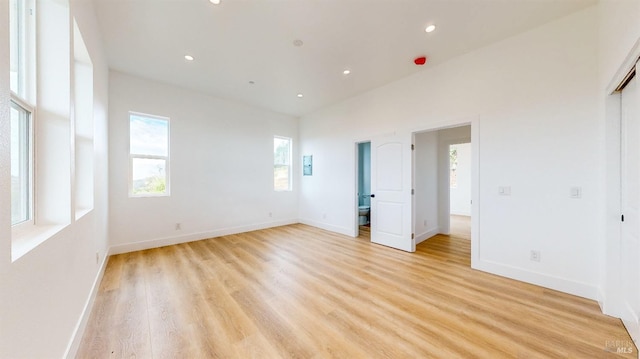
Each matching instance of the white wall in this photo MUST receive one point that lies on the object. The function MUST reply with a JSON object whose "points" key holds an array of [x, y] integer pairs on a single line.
{"points": [[535, 99], [221, 167], [44, 292], [426, 221], [619, 38], [460, 200]]}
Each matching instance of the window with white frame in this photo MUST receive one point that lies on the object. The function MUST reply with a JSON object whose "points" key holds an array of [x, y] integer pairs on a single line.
{"points": [[281, 163], [21, 165], [148, 155], [21, 75]]}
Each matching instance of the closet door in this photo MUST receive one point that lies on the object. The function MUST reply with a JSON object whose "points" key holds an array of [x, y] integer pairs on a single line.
{"points": [[630, 202]]}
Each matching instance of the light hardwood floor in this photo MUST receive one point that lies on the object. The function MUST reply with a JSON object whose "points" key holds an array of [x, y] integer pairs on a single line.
{"points": [[460, 226], [301, 292]]}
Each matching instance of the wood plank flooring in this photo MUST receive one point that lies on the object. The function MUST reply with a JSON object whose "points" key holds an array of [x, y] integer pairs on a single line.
{"points": [[301, 292], [460, 226]]}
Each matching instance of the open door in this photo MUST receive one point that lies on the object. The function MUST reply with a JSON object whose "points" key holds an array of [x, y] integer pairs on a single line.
{"points": [[391, 223]]}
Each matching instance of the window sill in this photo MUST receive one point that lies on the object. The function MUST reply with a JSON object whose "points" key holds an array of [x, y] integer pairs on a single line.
{"points": [[149, 195], [25, 239], [81, 212]]}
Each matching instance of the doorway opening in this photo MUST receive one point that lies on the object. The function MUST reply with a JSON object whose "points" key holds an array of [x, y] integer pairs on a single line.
{"points": [[443, 177], [363, 200], [460, 190]]}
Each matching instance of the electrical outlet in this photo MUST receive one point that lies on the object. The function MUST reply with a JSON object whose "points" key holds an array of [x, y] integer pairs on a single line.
{"points": [[270, 214], [425, 222], [324, 216], [178, 226], [535, 256]]}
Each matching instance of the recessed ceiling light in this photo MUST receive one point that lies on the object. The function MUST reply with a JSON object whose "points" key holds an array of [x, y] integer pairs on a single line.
{"points": [[430, 28], [188, 57], [215, 2], [252, 82], [300, 95], [298, 43], [346, 72]]}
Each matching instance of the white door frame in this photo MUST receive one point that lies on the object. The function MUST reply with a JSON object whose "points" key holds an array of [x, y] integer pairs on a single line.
{"points": [[475, 176]]}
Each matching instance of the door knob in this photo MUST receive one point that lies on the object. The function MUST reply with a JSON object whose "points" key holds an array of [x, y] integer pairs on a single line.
{"points": [[373, 195]]}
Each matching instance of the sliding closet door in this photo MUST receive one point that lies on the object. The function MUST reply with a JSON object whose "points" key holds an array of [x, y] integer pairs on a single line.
{"points": [[630, 202]]}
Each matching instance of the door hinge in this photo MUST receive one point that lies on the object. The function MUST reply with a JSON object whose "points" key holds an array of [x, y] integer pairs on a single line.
{"points": [[413, 147], [622, 218], [413, 235], [413, 191]]}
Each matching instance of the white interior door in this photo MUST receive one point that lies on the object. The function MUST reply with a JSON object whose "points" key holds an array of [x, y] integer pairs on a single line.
{"points": [[630, 202], [391, 223]]}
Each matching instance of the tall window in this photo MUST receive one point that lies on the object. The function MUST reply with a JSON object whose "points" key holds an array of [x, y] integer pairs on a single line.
{"points": [[22, 48], [83, 121], [21, 165], [21, 54], [16, 56], [148, 155], [281, 163]]}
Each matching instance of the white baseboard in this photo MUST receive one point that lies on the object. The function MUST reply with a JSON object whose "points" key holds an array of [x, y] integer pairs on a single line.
{"points": [[78, 332], [580, 289], [601, 299], [426, 235], [167, 241], [328, 227], [631, 323]]}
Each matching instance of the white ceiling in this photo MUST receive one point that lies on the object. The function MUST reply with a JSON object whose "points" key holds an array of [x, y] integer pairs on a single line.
{"points": [[240, 41]]}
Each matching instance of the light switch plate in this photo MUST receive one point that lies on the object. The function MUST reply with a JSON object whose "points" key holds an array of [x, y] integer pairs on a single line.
{"points": [[504, 190]]}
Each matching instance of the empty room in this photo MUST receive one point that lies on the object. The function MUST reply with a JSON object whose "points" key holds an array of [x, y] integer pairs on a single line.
{"points": [[304, 178]]}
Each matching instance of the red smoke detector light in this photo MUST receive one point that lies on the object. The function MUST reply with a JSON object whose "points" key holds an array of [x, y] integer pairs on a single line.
{"points": [[420, 60]]}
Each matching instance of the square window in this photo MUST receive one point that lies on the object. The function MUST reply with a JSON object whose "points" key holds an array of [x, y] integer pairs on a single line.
{"points": [[149, 176]]}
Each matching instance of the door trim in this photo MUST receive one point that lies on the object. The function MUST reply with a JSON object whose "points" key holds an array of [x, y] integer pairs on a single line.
{"points": [[626, 66]]}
